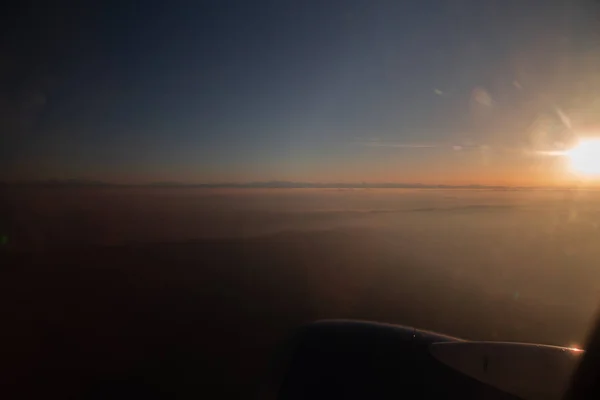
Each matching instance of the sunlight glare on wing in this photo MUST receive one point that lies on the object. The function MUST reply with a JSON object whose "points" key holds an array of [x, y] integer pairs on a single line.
{"points": [[575, 348]]}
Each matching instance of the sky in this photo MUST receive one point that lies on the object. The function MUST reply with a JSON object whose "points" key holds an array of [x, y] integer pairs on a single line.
{"points": [[448, 92]]}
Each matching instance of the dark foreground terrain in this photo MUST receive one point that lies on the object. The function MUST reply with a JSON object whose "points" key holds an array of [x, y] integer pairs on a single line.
{"points": [[186, 318]]}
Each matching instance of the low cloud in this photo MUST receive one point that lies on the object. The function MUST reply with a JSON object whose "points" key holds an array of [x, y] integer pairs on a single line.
{"points": [[400, 145]]}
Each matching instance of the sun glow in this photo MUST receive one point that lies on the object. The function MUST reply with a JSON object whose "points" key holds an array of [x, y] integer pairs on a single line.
{"points": [[585, 157]]}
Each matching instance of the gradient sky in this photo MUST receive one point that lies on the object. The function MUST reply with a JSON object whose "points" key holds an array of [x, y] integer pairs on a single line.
{"points": [[330, 90]]}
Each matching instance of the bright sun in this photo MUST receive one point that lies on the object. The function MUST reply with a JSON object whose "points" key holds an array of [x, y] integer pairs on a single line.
{"points": [[585, 157]]}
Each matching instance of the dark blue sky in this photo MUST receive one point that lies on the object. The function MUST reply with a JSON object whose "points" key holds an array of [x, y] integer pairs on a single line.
{"points": [[433, 91]]}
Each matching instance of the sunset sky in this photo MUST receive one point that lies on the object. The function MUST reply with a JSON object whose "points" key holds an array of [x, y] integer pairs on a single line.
{"points": [[449, 92]]}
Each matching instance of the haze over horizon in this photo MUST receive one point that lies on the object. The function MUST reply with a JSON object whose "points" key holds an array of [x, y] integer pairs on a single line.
{"points": [[282, 184]]}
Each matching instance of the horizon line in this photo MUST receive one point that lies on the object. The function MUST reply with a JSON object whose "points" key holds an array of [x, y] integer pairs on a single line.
{"points": [[279, 184]]}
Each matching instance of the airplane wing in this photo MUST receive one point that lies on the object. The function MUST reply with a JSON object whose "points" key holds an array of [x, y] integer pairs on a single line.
{"points": [[340, 359]]}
